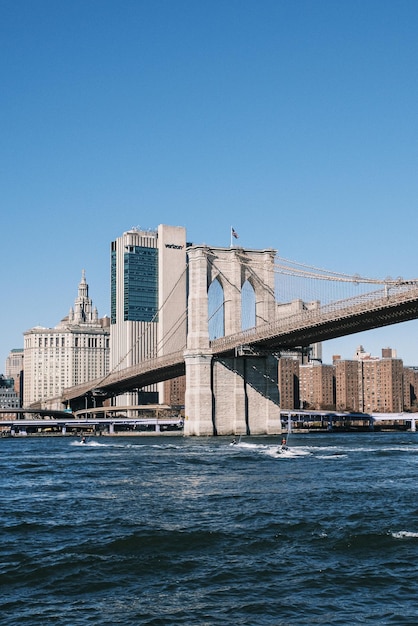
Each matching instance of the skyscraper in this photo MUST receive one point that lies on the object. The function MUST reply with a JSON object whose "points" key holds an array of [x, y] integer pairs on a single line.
{"points": [[148, 302], [14, 369]]}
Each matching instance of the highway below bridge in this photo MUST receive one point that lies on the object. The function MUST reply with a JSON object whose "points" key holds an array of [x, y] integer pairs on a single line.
{"points": [[97, 421], [33, 421], [391, 305]]}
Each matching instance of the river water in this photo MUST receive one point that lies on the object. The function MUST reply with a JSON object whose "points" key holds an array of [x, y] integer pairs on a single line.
{"points": [[196, 531]]}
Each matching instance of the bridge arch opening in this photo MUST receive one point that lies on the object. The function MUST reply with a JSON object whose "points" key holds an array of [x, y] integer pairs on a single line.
{"points": [[216, 310], [248, 306]]}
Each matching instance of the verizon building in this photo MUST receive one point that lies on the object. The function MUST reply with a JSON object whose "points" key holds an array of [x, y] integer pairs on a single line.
{"points": [[148, 302]]}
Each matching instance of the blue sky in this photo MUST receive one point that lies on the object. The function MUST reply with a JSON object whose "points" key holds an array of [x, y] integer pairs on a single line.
{"points": [[294, 121]]}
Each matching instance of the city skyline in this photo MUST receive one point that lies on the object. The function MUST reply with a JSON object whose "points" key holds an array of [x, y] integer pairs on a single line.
{"points": [[294, 122], [359, 352]]}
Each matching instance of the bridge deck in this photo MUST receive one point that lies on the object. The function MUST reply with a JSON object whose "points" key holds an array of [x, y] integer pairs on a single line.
{"points": [[393, 305]]}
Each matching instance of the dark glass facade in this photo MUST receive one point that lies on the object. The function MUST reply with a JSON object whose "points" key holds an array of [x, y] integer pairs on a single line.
{"points": [[113, 284], [140, 284]]}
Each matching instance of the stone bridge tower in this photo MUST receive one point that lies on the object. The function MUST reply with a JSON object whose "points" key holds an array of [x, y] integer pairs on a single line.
{"points": [[237, 394]]}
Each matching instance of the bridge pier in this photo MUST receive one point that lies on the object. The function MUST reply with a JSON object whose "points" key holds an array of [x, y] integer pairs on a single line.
{"points": [[199, 397], [231, 396]]}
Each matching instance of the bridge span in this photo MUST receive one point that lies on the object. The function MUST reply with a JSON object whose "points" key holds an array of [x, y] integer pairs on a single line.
{"points": [[391, 305]]}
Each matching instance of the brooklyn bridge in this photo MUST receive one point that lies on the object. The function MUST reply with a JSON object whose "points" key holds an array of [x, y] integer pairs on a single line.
{"points": [[245, 309]]}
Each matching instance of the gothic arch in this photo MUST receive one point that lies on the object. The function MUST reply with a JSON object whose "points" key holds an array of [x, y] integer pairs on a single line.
{"points": [[227, 270], [248, 305], [216, 309]]}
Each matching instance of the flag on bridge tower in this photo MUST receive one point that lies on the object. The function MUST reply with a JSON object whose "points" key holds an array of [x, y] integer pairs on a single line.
{"points": [[234, 234]]}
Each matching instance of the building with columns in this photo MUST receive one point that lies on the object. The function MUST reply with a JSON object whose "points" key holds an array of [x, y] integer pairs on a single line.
{"points": [[74, 352]]}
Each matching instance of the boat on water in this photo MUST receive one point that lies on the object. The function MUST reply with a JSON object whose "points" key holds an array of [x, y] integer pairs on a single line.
{"points": [[283, 448]]}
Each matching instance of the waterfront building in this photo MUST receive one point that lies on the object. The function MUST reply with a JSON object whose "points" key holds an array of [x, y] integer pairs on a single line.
{"points": [[9, 399], [289, 382], [74, 352], [410, 388], [366, 384], [14, 369], [148, 303], [369, 386], [347, 394], [317, 386], [391, 394], [380, 382], [175, 391], [389, 353]]}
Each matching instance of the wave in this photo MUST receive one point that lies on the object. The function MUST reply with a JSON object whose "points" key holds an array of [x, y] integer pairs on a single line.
{"points": [[404, 534], [274, 451], [290, 453], [90, 444]]}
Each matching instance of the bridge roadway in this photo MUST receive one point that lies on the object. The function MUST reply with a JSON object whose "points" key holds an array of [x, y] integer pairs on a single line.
{"points": [[393, 304]]}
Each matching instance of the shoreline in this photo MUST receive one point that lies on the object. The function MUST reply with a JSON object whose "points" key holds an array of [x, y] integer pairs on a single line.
{"points": [[304, 431]]}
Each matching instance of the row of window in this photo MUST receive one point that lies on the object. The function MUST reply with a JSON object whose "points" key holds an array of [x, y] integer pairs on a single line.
{"points": [[82, 341]]}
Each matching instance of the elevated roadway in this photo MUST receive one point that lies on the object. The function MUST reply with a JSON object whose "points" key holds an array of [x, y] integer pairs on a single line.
{"points": [[89, 422], [42, 414], [391, 305]]}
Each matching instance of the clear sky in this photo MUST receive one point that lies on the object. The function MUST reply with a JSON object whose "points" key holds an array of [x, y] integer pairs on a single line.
{"points": [[294, 121]]}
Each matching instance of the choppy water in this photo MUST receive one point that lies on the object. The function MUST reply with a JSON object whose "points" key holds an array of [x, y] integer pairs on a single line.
{"points": [[168, 531]]}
